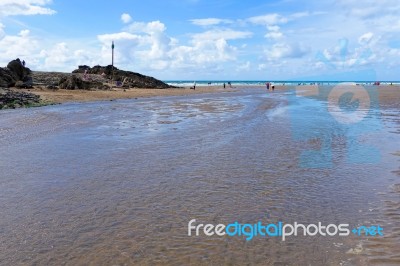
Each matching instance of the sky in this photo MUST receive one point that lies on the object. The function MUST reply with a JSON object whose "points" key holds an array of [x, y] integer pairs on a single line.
{"points": [[208, 39]]}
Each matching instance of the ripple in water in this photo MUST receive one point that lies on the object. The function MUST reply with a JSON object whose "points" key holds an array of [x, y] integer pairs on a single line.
{"points": [[117, 183]]}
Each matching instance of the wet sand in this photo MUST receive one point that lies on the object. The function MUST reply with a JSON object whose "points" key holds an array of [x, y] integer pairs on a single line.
{"points": [[387, 94], [64, 96], [106, 183]]}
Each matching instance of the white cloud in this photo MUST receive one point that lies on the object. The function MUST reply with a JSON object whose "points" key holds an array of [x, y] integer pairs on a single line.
{"points": [[24, 33], [268, 19], [299, 15], [284, 50], [274, 35], [341, 57], [210, 21], [146, 46], [141, 27], [58, 56], [369, 9], [120, 36], [226, 34], [380, 18], [126, 18], [25, 7], [2, 33], [204, 52], [22, 46]]}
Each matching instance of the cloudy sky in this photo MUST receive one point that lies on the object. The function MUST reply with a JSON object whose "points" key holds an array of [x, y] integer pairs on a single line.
{"points": [[208, 39]]}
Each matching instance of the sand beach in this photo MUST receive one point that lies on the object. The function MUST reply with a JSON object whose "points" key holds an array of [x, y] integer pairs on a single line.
{"points": [[387, 93]]}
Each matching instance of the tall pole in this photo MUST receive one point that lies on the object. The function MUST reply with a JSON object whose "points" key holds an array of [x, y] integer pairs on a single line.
{"points": [[112, 64]]}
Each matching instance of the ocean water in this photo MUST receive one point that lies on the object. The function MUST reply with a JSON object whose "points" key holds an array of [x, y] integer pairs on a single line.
{"points": [[116, 183], [188, 83]]}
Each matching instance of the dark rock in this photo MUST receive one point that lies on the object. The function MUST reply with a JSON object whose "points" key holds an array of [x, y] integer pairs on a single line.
{"points": [[127, 79], [28, 81], [96, 78], [13, 99], [18, 69], [48, 78], [24, 84], [15, 72], [7, 78], [75, 82], [19, 84], [83, 67], [70, 83], [52, 87]]}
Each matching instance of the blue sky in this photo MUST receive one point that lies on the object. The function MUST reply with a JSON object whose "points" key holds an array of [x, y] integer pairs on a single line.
{"points": [[208, 39]]}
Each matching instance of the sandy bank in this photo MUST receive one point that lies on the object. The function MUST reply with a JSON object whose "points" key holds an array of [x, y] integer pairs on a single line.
{"points": [[63, 96], [387, 94]]}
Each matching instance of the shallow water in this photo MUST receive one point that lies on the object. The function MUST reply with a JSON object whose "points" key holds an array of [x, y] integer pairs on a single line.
{"points": [[117, 182]]}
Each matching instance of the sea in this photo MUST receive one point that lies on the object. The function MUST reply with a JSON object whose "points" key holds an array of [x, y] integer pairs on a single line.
{"points": [[187, 83]]}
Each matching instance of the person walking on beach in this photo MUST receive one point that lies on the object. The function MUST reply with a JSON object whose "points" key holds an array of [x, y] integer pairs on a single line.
{"points": [[224, 85], [194, 85]]}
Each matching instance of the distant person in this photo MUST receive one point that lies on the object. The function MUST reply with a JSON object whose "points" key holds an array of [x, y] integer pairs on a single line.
{"points": [[194, 85], [85, 75], [267, 84], [23, 63], [224, 85]]}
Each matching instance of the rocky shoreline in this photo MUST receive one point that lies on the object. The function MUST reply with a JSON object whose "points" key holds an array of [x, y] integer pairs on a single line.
{"points": [[10, 99], [97, 78]]}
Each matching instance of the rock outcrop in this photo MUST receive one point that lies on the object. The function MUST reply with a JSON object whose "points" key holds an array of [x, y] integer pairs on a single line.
{"points": [[16, 99], [15, 74], [74, 82], [7, 78], [83, 78], [126, 79], [19, 69]]}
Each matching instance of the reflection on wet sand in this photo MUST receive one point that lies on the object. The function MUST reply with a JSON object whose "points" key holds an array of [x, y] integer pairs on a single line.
{"points": [[118, 182]]}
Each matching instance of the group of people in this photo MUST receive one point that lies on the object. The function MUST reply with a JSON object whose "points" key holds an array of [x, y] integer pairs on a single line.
{"points": [[22, 63], [270, 86], [229, 84]]}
